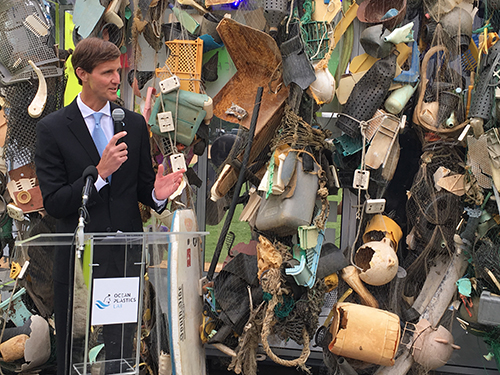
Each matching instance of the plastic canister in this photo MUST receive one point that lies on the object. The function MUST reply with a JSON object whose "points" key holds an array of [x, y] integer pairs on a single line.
{"points": [[365, 333], [398, 99], [283, 215]]}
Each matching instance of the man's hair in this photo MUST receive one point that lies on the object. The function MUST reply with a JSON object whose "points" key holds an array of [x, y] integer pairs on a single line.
{"points": [[91, 52]]}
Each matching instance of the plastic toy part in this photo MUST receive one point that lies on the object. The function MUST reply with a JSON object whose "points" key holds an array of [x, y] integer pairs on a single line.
{"points": [[378, 261], [432, 347], [365, 333], [305, 273]]}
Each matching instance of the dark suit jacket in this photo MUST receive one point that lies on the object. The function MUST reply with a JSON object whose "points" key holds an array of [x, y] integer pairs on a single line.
{"points": [[64, 149]]}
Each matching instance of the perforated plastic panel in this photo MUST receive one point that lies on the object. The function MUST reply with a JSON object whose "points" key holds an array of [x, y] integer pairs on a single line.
{"points": [[368, 95], [274, 11], [482, 98]]}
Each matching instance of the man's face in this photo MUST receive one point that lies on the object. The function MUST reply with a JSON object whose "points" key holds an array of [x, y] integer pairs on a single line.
{"points": [[102, 84]]}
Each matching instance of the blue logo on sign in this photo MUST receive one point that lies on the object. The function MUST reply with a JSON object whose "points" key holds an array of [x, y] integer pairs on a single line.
{"points": [[105, 303]]}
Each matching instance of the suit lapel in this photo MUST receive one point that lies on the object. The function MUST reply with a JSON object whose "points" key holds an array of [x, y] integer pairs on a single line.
{"points": [[77, 125]]}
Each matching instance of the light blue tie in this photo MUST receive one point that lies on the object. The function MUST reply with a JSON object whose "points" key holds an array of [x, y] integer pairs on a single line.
{"points": [[98, 134]]}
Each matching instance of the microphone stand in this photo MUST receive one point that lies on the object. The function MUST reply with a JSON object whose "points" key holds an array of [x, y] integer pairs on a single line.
{"points": [[80, 247]]}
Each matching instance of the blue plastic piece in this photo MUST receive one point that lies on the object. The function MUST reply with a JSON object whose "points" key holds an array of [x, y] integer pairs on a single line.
{"points": [[209, 43], [305, 273], [412, 75], [346, 145], [390, 13], [18, 313]]}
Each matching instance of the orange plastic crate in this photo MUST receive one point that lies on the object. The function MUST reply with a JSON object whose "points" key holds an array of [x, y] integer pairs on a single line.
{"points": [[185, 61]]}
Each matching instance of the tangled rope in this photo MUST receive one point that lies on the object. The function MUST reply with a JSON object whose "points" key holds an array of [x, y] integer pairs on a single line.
{"points": [[271, 283], [297, 133]]}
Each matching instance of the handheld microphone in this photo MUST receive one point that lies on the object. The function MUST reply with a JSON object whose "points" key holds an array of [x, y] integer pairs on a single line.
{"points": [[118, 115], [89, 175]]}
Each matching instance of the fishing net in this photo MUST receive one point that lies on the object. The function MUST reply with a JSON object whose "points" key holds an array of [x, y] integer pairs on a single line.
{"points": [[432, 215], [20, 142], [441, 100]]}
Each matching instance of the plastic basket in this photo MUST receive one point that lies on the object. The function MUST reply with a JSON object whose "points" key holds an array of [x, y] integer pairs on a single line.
{"points": [[316, 40], [185, 61]]}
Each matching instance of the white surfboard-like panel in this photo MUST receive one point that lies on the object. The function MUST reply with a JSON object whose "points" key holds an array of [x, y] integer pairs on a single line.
{"points": [[185, 305]]}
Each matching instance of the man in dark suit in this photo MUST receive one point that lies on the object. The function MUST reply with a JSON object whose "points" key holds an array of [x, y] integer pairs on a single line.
{"points": [[68, 141]]}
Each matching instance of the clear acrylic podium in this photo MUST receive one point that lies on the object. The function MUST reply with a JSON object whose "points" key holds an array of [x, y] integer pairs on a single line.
{"points": [[108, 296]]}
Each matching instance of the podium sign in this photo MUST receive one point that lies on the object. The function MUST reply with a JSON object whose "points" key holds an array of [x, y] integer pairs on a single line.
{"points": [[115, 301]]}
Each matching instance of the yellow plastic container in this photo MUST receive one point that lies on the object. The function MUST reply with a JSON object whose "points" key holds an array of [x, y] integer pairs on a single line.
{"points": [[384, 224]]}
